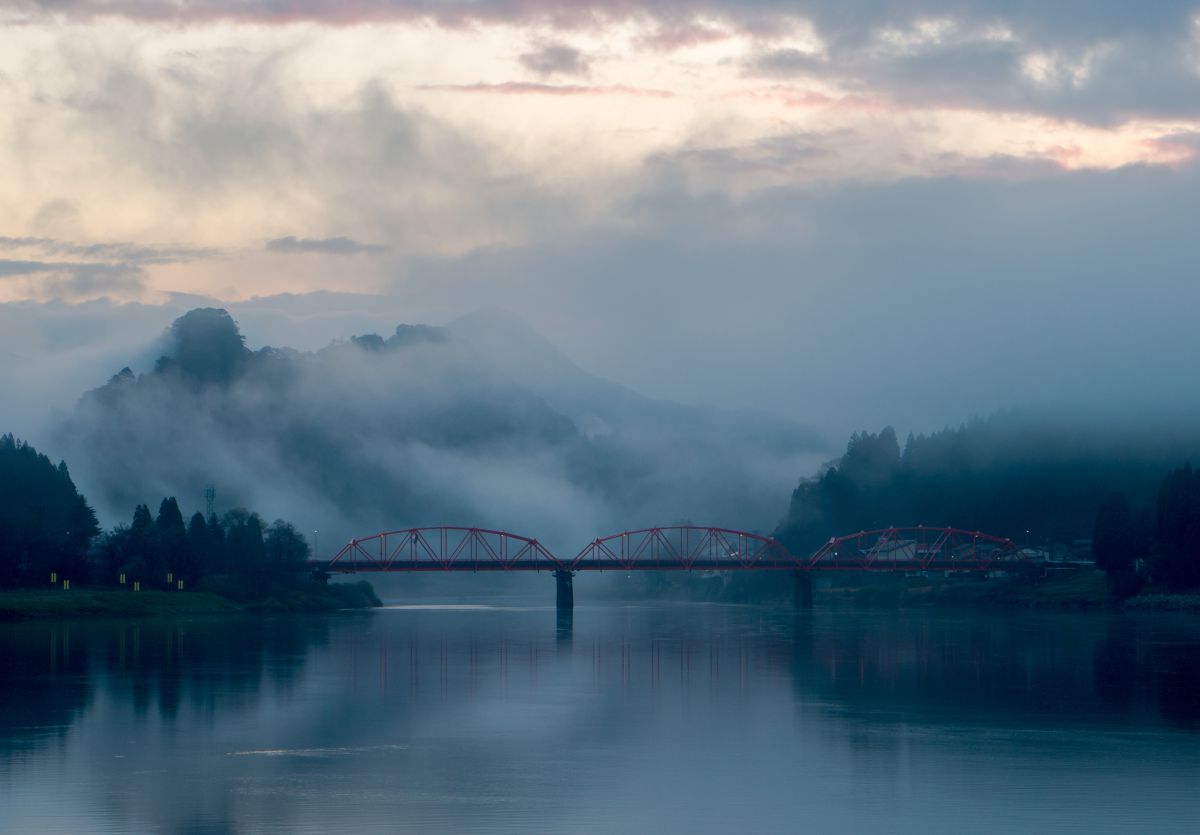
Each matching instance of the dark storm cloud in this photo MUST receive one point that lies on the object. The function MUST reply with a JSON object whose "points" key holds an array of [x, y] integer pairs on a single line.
{"points": [[324, 246]]}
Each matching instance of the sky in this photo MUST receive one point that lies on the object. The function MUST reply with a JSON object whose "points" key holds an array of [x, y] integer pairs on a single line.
{"points": [[848, 213]]}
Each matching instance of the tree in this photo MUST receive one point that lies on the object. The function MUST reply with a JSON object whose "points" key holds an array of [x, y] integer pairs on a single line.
{"points": [[218, 559], [245, 550], [172, 540], [208, 346], [114, 555], [45, 524], [1113, 538], [142, 552], [1177, 530], [201, 552], [1115, 544], [286, 551]]}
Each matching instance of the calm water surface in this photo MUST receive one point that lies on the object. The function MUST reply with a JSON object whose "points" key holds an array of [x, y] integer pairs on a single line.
{"points": [[690, 718]]}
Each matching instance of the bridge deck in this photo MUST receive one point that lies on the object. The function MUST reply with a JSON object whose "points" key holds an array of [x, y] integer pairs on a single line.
{"points": [[476, 566], [677, 548]]}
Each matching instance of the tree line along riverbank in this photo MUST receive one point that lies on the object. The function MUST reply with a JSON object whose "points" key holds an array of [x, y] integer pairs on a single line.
{"points": [[30, 604], [56, 561]]}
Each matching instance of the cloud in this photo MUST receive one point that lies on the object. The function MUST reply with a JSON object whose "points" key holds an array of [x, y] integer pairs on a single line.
{"points": [[785, 156], [1177, 147], [324, 246], [120, 268], [556, 59], [431, 424], [531, 88], [1098, 64], [918, 302], [793, 206], [235, 162], [10, 268], [73, 280], [123, 252], [1099, 61], [673, 36]]}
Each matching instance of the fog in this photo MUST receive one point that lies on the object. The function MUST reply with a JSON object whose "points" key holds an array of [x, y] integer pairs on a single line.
{"points": [[657, 306], [481, 423], [919, 304]]}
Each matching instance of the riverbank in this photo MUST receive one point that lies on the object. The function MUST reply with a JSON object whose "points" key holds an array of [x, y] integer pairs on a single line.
{"points": [[26, 604], [1074, 590]]}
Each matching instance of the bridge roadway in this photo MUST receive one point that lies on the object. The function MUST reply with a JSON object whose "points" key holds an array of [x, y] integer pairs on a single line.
{"points": [[676, 548], [476, 566]]}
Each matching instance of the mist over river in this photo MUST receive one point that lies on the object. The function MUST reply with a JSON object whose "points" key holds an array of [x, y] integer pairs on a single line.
{"points": [[687, 717]]}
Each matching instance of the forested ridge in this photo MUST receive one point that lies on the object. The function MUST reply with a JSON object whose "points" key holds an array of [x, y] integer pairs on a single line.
{"points": [[1051, 486], [49, 534]]}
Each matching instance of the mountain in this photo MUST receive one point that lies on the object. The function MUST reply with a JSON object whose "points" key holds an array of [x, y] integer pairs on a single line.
{"points": [[602, 407], [480, 423]]}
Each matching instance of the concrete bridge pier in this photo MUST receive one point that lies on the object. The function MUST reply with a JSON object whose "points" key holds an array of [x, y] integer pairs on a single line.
{"points": [[566, 590], [802, 591]]}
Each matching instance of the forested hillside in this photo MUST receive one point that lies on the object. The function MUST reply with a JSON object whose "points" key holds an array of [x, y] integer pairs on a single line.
{"points": [[1034, 480]]}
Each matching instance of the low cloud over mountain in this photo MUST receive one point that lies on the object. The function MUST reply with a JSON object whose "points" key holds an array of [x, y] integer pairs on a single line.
{"points": [[481, 423]]}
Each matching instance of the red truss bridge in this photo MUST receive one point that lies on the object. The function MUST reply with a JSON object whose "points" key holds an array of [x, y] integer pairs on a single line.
{"points": [[443, 549], [676, 548]]}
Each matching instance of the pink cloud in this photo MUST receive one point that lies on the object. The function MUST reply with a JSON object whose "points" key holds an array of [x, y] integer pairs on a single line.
{"points": [[1174, 149], [1065, 155], [670, 38], [449, 13], [532, 88], [799, 97]]}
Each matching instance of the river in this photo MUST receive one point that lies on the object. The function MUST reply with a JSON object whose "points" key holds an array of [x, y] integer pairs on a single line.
{"points": [[644, 718]]}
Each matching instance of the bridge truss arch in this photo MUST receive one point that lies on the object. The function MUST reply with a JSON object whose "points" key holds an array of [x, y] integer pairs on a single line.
{"points": [[676, 548], [916, 548], [444, 548], [684, 548]]}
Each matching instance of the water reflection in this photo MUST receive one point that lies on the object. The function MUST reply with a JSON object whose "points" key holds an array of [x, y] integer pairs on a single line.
{"points": [[566, 624], [519, 719], [53, 670]]}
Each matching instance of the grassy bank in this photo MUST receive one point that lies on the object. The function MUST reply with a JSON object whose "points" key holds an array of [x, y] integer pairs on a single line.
{"points": [[25, 604], [1075, 590]]}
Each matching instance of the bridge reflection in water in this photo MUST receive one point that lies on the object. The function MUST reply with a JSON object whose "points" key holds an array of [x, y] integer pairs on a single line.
{"points": [[675, 548]]}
